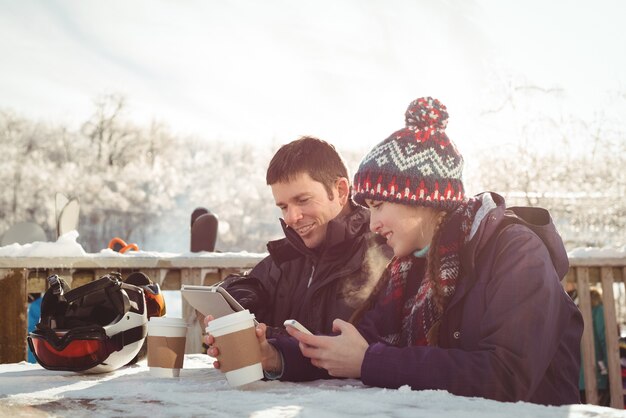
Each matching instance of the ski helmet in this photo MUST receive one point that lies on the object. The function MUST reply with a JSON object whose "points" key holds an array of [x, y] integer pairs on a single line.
{"points": [[95, 328]]}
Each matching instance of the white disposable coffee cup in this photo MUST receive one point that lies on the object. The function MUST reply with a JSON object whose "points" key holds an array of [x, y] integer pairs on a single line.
{"points": [[166, 346], [239, 349]]}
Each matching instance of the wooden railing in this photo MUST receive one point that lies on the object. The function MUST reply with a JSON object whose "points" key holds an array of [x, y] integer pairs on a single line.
{"points": [[20, 276], [602, 273]]}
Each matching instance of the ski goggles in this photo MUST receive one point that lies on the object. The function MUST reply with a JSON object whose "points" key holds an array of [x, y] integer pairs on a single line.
{"points": [[79, 349], [155, 303]]}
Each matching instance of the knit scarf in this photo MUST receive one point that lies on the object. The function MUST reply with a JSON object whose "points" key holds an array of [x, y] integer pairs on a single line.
{"points": [[418, 313]]}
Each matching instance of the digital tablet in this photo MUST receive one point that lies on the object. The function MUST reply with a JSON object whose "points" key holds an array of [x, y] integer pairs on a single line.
{"points": [[210, 300]]}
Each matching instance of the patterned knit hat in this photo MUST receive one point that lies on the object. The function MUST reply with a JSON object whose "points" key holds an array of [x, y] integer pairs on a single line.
{"points": [[417, 165]]}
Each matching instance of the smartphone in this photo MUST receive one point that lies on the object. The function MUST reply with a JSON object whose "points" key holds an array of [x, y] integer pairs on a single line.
{"points": [[297, 325]]}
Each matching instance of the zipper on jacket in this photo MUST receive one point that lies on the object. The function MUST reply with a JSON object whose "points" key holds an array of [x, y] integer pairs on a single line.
{"points": [[311, 277]]}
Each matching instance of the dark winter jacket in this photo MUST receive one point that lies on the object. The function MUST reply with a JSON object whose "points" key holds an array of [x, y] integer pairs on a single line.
{"points": [[509, 333], [314, 286]]}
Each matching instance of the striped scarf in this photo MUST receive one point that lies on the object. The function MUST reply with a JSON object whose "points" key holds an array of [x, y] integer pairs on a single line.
{"points": [[418, 313]]}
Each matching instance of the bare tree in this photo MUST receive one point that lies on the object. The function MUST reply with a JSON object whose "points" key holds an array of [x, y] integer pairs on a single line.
{"points": [[142, 183], [107, 131], [566, 163]]}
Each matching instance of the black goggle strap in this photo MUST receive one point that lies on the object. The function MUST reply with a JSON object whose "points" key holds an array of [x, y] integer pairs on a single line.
{"points": [[129, 336]]}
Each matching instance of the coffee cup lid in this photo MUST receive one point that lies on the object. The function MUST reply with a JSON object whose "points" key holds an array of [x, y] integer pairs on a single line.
{"points": [[168, 322], [230, 319]]}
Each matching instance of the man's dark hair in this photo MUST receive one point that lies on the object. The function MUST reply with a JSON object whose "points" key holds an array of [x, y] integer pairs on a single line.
{"points": [[310, 155]]}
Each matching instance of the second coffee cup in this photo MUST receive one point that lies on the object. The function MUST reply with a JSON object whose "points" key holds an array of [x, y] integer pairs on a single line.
{"points": [[239, 349], [166, 346]]}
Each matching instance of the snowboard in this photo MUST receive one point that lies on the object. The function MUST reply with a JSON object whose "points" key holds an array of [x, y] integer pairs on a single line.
{"points": [[197, 213], [203, 230], [68, 211], [23, 233]]}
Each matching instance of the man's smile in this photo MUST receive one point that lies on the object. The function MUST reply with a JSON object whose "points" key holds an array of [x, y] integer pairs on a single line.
{"points": [[303, 230]]}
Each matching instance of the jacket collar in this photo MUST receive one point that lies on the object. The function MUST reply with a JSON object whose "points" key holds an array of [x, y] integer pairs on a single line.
{"points": [[339, 230]]}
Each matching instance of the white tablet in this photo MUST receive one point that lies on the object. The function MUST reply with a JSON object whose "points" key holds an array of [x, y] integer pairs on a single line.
{"points": [[210, 300]]}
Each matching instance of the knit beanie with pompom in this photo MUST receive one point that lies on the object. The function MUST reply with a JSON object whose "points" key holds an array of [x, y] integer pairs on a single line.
{"points": [[417, 165]]}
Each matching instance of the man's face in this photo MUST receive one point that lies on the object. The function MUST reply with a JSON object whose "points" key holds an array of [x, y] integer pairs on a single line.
{"points": [[306, 207]]}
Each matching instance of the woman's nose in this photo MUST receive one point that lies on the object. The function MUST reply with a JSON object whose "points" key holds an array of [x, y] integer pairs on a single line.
{"points": [[375, 225]]}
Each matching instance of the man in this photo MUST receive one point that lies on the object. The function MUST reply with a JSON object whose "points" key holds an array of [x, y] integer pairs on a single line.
{"points": [[328, 261]]}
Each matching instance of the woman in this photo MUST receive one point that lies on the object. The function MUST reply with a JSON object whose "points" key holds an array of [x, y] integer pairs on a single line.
{"points": [[471, 302]]}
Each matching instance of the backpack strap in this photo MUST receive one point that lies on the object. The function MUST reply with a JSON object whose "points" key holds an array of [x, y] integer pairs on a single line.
{"points": [[532, 217]]}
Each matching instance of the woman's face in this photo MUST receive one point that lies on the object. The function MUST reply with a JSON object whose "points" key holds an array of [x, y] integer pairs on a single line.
{"points": [[406, 228]]}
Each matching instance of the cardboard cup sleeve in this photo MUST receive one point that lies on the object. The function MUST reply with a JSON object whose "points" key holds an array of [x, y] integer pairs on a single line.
{"points": [[238, 349], [166, 352]]}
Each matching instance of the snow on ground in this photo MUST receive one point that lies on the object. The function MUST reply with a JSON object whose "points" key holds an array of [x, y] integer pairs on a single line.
{"points": [[28, 390]]}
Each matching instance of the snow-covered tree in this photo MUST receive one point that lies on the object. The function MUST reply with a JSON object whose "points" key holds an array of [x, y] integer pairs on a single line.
{"points": [[568, 162], [142, 183]]}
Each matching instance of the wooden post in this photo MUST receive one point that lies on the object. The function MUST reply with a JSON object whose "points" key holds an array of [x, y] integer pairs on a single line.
{"points": [[206, 276], [171, 280], [97, 273], [14, 324], [36, 282], [196, 329], [612, 343], [587, 345]]}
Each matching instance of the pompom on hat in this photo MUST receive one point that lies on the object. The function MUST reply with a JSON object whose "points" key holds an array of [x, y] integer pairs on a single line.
{"points": [[417, 165]]}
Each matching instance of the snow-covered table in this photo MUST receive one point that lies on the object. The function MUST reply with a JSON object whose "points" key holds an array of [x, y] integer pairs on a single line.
{"points": [[29, 390]]}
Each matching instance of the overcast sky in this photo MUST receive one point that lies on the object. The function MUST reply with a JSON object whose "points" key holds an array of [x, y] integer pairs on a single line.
{"points": [[272, 70]]}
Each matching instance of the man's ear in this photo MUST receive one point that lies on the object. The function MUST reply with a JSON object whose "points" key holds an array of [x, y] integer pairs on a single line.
{"points": [[343, 190]]}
